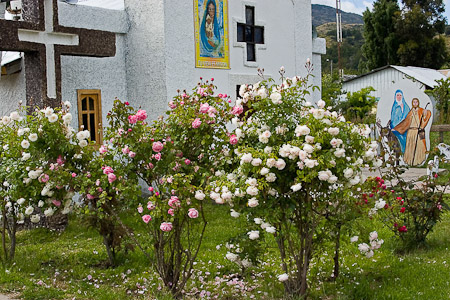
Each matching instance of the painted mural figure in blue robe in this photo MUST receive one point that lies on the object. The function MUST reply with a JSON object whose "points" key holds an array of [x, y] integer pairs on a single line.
{"points": [[210, 30], [400, 110]]}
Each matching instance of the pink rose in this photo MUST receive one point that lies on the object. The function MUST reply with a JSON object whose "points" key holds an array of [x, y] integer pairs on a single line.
{"points": [[127, 103], [150, 189], [131, 154], [74, 175], [44, 178], [237, 110], [174, 202], [56, 203], [171, 212], [196, 123], [111, 177], [141, 115], [172, 105], [187, 161], [90, 197], [193, 213], [125, 150], [204, 108], [157, 146], [132, 119], [233, 139], [166, 226], [158, 156], [150, 205], [212, 112], [60, 161], [97, 182], [150, 165], [140, 209], [146, 218], [103, 149], [108, 170]]}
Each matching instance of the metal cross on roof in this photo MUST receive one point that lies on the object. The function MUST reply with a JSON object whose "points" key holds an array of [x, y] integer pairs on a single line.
{"points": [[43, 41]]}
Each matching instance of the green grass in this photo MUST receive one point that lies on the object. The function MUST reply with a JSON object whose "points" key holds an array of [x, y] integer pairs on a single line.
{"points": [[52, 265]]}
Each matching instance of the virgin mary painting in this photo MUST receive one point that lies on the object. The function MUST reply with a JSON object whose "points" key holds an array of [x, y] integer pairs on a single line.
{"points": [[400, 110], [210, 31]]}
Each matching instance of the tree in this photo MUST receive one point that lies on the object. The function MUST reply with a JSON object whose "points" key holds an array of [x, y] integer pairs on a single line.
{"points": [[331, 89], [359, 106], [441, 94], [381, 42], [418, 30]]}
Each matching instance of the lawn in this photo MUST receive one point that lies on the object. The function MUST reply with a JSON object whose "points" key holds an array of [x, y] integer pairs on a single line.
{"points": [[72, 265]]}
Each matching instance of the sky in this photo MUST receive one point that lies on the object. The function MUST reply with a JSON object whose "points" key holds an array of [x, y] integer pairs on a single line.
{"points": [[358, 6]]}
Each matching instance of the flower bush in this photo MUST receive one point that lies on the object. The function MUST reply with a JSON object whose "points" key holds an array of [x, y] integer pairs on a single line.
{"points": [[34, 169], [293, 167], [175, 157]]}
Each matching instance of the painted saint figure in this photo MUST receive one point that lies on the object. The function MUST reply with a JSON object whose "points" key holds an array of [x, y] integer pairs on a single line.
{"points": [[400, 110], [414, 125], [210, 30]]}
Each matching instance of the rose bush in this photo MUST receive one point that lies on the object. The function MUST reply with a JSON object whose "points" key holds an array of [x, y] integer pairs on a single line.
{"points": [[294, 165]]}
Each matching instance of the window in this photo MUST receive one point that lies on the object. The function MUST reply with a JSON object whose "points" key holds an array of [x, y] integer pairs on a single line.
{"points": [[238, 88], [90, 113], [250, 33]]}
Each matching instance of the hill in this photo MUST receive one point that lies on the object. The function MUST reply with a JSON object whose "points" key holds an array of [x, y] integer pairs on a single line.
{"points": [[322, 14]]}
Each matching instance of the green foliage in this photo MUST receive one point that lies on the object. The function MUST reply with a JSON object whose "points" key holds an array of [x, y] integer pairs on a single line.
{"points": [[407, 37], [331, 90], [441, 94], [359, 106], [381, 40]]}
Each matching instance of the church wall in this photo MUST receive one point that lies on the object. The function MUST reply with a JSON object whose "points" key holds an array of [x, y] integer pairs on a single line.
{"points": [[281, 32], [145, 56], [107, 74], [12, 90]]}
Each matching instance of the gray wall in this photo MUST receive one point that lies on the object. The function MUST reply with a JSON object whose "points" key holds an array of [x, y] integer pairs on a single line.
{"points": [[12, 90]]}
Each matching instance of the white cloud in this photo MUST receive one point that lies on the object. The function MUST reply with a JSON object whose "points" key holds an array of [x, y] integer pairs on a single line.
{"points": [[352, 6]]}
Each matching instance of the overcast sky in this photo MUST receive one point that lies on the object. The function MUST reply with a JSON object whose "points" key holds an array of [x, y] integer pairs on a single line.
{"points": [[358, 6]]}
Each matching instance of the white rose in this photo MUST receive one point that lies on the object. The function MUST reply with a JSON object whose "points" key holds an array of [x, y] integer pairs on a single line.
{"points": [[353, 239], [25, 156], [280, 164], [53, 118], [226, 195], [363, 248], [246, 158], [373, 235], [380, 204], [41, 203], [321, 104], [20, 132], [48, 111], [324, 175], [267, 149], [332, 179], [275, 97], [214, 195], [333, 131], [308, 148], [256, 162], [335, 142], [355, 180], [369, 253], [219, 201], [238, 193], [339, 152], [377, 163], [82, 143], [67, 118], [21, 201], [271, 162], [253, 202], [252, 190], [296, 187], [309, 139], [67, 104], [264, 171], [318, 113], [302, 130], [246, 263], [33, 137], [235, 214], [348, 173], [49, 212], [29, 210], [262, 92], [271, 177], [311, 163], [283, 277], [369, 154], [253, 235], [251, 181], [15, 116], [272, 192], [231, 256], [25, 144], [271, 229], [35, 218], [258, 221]]}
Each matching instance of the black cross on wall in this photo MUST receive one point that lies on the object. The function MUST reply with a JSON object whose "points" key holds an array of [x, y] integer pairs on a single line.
{"points": [[250, 33], [43, 41]]}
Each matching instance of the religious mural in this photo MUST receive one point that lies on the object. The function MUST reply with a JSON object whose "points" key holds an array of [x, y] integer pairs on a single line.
{"points": [[211, 34], [407, 115]]}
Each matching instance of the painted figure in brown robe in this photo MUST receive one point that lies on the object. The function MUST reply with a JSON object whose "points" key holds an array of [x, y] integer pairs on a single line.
{"points": [[415, 123]]}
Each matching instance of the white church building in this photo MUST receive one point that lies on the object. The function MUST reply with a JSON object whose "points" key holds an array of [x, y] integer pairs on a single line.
{"points": [[90, 52]]}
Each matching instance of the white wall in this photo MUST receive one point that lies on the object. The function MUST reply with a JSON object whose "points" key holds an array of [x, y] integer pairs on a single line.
{"points": [[12, 90]]}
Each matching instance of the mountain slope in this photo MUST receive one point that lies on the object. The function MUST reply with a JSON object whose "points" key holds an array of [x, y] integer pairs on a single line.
{"points": [[322, 14]]}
